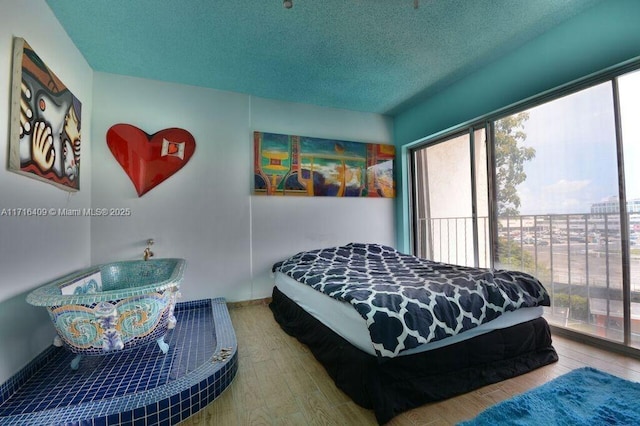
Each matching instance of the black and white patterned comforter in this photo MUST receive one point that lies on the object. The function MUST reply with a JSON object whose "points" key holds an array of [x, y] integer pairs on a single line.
{"points": [[407, 301]]}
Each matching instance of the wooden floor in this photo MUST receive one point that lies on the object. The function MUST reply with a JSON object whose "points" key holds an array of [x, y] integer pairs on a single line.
{"points": [[279, 382]]}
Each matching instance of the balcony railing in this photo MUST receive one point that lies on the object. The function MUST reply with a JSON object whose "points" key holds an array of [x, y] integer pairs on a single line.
{"points": [[577, 257]]}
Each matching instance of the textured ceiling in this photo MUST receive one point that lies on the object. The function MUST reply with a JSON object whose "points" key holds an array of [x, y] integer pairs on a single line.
{"points": [[364, 55]]}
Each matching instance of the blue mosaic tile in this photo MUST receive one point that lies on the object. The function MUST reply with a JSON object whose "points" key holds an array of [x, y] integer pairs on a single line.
{"points": [[130, 387]]}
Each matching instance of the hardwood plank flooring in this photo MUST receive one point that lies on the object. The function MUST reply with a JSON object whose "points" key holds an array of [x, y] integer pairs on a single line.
{"points": [[279, 382]]}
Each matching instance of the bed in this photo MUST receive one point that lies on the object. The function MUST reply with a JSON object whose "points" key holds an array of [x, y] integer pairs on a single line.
{"points": [[395, 331]]}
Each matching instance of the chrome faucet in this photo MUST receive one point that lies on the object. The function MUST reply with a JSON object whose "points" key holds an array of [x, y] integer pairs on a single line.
{"points": [[147, 251]]}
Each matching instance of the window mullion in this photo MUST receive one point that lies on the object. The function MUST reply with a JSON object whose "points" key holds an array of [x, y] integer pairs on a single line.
{"points": [[624, 219]]}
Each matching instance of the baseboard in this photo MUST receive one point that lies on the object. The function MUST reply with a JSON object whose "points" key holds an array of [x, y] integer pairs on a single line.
{"points": [[244, 303]]}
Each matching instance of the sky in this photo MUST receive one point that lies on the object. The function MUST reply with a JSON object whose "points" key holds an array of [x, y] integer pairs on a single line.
{"points": [[576, 162]]}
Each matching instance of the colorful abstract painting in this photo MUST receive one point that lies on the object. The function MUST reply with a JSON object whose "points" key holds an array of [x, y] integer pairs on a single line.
{"points": [[45, 122], [300, 165]]}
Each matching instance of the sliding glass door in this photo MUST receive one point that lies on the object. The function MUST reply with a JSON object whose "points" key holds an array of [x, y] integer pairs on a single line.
{"points": [[549, 220], [451, 200], [564, 191], [629, 96]]}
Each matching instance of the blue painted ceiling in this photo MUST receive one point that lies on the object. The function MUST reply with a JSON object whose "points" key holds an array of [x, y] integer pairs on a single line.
{"points": [[376, 56]]}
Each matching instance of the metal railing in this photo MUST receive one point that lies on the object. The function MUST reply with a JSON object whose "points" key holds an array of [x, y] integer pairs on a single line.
{"points": [[450, 240], [578, 257]]}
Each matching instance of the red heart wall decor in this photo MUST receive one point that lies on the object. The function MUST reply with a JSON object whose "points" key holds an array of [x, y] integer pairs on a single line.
{"points": [[147, 159]]}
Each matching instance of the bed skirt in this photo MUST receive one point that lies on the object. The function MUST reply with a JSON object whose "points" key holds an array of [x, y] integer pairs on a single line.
{"points": [[391, 386]]}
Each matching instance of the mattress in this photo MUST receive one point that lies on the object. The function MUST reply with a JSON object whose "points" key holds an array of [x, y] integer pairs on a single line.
{"points": [[344, 320]]}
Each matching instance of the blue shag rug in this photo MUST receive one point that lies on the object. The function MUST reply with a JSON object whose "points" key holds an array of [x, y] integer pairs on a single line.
{"points": [[585, 396]]}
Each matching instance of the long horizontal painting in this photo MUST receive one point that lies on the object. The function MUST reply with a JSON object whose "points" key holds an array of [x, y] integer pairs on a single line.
{"points": [[306, 166]]}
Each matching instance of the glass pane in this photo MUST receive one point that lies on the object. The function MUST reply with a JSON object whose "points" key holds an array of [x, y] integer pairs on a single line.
{"points": [[556, 164], [629, 88], [444, 225], [482, 198]]}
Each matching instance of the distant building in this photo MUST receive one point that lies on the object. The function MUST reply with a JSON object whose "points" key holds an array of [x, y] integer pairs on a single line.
{"points": [[612, 205]]}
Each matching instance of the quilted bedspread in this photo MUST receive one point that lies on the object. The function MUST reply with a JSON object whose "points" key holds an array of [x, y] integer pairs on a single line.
{"points": [[407, 301]]}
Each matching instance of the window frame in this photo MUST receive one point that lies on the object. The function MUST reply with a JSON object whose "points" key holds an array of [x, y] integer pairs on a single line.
{"points": [[487, 121]]}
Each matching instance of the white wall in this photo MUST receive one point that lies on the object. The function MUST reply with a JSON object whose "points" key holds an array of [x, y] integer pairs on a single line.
{"points": [[35, 250], [205, 212], [283, 226]]}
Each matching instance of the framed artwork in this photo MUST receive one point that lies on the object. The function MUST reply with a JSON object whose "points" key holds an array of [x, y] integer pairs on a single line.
{"points": [[306, 166], [45, 122]]}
